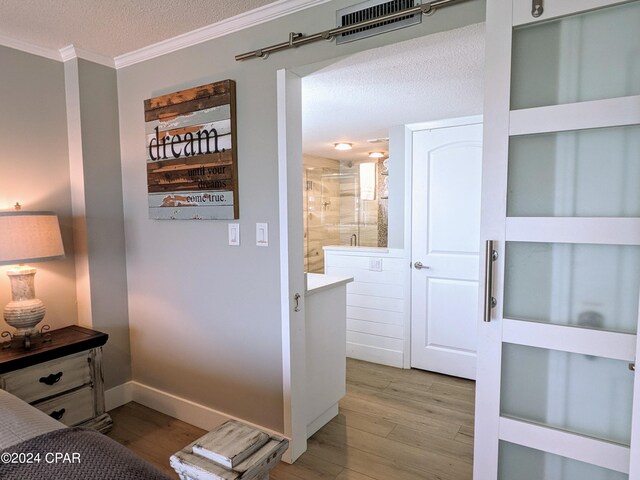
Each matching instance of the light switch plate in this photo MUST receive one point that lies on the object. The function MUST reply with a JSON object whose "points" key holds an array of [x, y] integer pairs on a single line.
{"points": [[262, 234], [234, 234]]}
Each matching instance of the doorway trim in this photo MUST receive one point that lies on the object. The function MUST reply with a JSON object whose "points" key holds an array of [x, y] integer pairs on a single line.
{"points": [[292, 312]]}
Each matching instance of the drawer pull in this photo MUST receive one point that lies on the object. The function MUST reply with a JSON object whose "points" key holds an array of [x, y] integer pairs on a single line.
{"points": [[51, 379], [58, 414]]}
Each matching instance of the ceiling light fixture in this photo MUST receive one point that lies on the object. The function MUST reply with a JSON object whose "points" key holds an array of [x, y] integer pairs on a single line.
{"points": [[343, 146], [376, 154]]}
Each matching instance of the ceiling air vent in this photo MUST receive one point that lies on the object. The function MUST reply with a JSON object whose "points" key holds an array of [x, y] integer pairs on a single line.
{"points": [[374, 9]]}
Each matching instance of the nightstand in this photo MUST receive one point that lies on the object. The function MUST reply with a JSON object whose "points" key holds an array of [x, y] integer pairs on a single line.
{"points": [[62, 377]]}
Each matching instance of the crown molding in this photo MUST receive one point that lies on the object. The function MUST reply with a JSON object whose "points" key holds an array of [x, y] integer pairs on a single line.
{"points": [[260, 15], [29, 48], [248, 19], [70, 52]]}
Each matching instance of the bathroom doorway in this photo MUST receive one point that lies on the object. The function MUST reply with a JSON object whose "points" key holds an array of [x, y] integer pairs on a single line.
{"points": [[372, 95], [360, 115]]}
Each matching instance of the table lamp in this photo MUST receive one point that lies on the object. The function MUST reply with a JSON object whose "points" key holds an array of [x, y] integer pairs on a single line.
{"points": [[27, 237]]}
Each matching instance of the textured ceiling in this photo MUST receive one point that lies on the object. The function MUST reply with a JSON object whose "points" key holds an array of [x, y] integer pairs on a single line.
{"points": [[111, 27], [358, 98], [354, 99]]}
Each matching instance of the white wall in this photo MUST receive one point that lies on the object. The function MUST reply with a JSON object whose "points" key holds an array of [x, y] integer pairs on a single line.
{"points": [[377, 302], [205, 317]]}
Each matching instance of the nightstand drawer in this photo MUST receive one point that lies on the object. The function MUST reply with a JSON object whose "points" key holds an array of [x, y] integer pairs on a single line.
{"points": [[71, 408], [47, 379]]}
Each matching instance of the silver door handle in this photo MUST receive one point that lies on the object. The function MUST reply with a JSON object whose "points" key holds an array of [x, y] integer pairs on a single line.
{"points": [[490, 256], [420, 266]]}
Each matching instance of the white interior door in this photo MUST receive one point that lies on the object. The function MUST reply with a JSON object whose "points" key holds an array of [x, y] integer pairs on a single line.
{"points": [[446, 177], [557, 396]]}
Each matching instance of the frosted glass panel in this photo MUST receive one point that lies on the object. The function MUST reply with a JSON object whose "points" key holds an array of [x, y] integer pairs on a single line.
{"points": [[579, 393], [521, 463], [592, 286], [584, 173], [589, 56]]}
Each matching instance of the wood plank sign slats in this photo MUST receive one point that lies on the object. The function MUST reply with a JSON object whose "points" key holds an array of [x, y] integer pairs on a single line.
{"points": [[231, 443], [192, 168]]}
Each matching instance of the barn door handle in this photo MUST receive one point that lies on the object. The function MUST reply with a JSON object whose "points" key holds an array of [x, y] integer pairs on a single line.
{"points": [[490, 256], [536, 8], [296, 298]]}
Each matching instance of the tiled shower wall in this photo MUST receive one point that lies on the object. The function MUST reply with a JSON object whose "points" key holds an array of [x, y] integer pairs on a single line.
{"points": [[334, 211], [321, 202]]}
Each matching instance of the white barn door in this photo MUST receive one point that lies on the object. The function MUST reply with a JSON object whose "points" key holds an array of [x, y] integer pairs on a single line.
{"points": [[557, 394]]}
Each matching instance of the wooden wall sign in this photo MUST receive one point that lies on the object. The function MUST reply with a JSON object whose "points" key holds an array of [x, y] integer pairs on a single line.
{"points": [[192, 170]]}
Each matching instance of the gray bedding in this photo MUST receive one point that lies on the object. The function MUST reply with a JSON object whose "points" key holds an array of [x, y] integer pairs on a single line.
{"points": [[19, 421], [74, 454], [26, 432]]}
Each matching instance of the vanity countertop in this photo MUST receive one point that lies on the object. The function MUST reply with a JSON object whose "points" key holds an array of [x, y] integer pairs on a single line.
{"points": [[356, 249], [316, 282]]}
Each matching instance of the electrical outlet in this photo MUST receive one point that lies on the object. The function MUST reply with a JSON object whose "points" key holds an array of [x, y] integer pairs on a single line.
{"points": [[375, 264]]}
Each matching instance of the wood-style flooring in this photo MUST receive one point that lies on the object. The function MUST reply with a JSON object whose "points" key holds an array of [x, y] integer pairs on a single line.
{"points": [[393, 425]]}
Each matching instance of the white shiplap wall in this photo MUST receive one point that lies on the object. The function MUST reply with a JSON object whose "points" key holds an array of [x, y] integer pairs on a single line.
{"points": [[377, 302]]}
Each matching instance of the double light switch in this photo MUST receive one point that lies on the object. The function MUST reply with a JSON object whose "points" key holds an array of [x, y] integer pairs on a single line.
{"points": [[262, 234]]}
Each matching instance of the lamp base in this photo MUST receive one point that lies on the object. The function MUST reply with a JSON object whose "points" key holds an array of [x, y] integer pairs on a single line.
{"points": [[24, 311], [26, 341]]}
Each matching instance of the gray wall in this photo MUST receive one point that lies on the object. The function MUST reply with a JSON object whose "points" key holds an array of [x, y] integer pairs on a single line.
{"points": [[104, 215], [34, 168], [205, 317], [398, 160]]}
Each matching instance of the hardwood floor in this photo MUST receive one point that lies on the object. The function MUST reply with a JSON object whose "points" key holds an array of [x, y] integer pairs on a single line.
{"points": [[393, 425]]}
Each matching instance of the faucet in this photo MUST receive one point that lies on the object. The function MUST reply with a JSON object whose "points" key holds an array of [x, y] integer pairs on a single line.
{"points": [[353, 241]]}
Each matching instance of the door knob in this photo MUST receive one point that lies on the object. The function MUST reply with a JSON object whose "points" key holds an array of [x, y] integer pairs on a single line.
{"points": [[419, 266]]}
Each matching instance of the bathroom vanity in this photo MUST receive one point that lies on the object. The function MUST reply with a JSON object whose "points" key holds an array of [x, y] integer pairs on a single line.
{"points": [[326, 330]]}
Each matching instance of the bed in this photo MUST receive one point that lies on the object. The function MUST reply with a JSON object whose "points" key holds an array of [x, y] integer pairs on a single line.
{"points": [[34, 446]]}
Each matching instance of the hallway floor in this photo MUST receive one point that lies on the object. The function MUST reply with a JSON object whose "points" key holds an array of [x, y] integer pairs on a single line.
{"points": [[393, 425]]}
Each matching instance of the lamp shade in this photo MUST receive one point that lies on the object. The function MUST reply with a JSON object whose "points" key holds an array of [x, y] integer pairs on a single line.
{"points": [[27, 237]]}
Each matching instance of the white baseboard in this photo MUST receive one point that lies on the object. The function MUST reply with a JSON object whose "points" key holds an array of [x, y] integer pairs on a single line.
{"points": [[117, 396], [176, 407], [190, 412], [322, 420], [371, 354]]}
